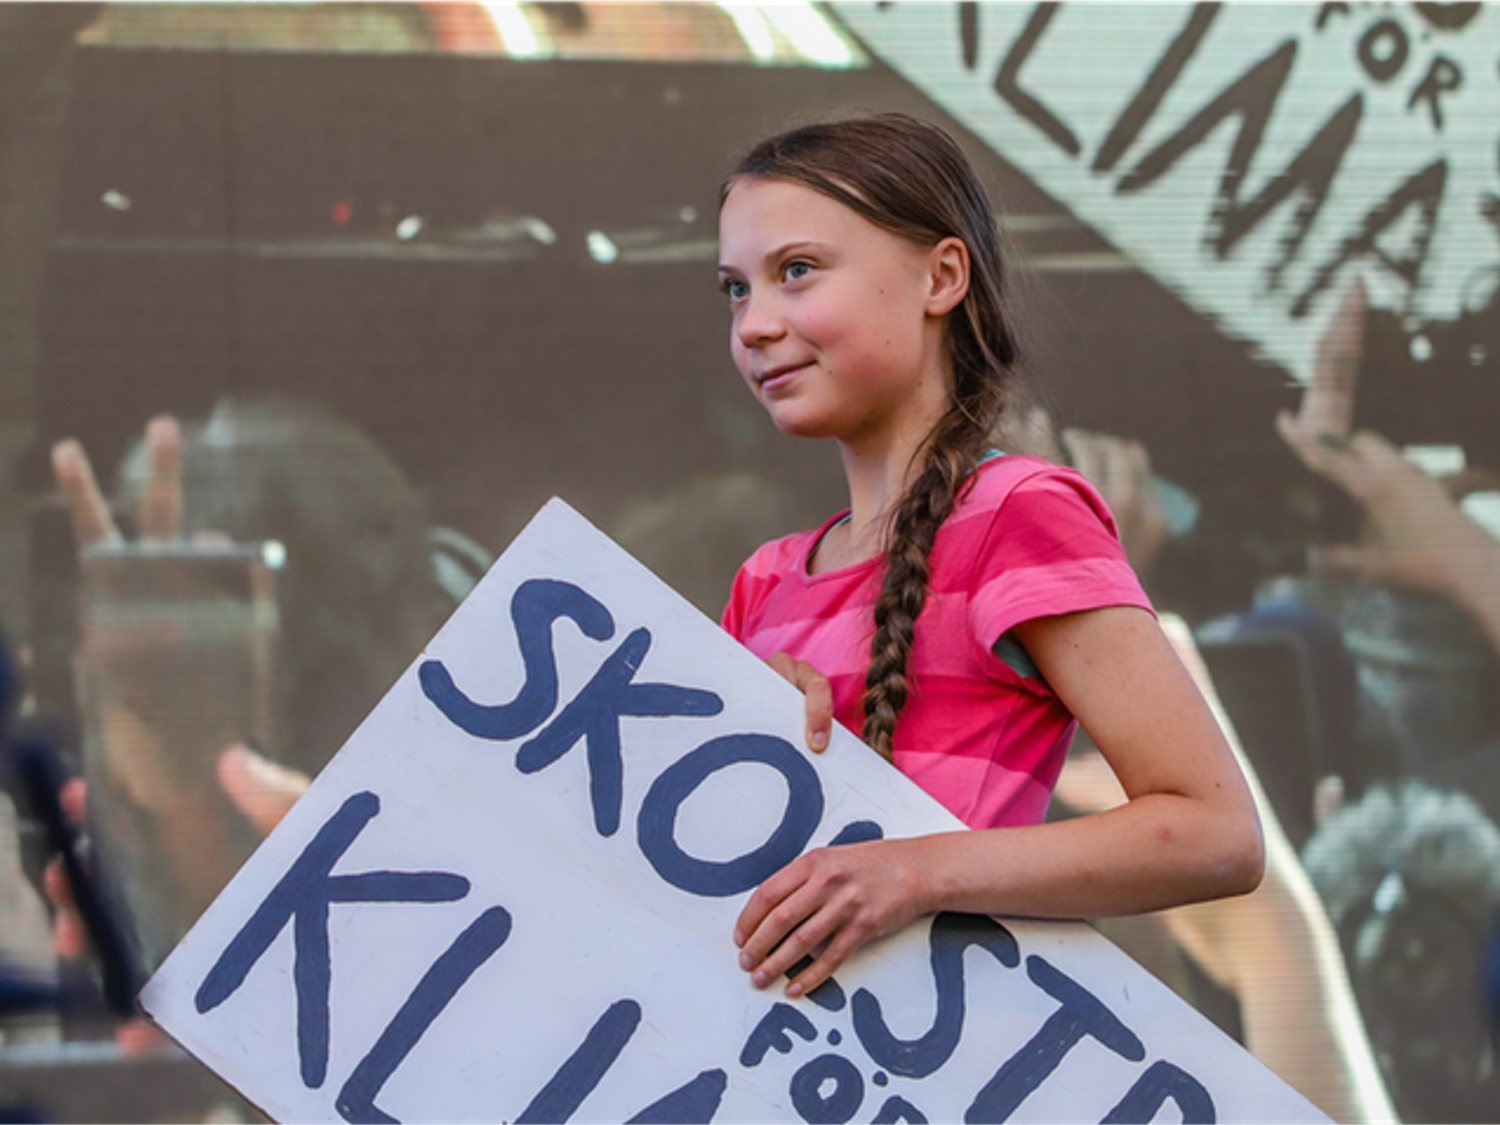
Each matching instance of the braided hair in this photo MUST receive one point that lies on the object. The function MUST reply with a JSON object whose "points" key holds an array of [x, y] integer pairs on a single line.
{"points": [[909, 177]]}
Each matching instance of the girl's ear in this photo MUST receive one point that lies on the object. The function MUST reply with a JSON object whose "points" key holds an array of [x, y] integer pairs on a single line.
{"points": [[948, 271]]}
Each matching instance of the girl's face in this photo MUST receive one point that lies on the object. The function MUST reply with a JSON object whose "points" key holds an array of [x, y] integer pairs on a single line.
{"points": [[835, 324]]}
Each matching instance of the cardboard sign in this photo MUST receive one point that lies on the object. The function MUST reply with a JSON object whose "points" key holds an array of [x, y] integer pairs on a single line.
{"points": [[1254, 158], [509, 897]]}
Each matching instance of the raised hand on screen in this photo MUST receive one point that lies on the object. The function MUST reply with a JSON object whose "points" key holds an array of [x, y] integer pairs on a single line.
{"points": [[1119, 467], [1414, 535], [160, 513]]}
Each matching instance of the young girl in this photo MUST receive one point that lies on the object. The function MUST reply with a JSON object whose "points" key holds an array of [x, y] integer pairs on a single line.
{"points": [[970, 607]]}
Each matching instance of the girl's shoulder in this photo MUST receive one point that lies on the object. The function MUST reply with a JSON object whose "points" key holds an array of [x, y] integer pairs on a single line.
{"points": [[1002, 473], [996, 479], [1048, 488]]}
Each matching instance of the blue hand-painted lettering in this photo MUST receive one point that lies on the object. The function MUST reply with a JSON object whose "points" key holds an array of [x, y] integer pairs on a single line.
{"points": [[535, 605], [857, 832], [1161, 1081], [1081, 1014], [301, 898], [951, 936], [594, 716], [697, 1101], [827, 1090], [896, 1108], [449, 973], [771, 1032], [657, 823], [583, 1069]]}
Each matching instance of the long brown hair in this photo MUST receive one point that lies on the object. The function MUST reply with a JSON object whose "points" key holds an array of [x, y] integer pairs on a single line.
{"points": [[909, 177]]}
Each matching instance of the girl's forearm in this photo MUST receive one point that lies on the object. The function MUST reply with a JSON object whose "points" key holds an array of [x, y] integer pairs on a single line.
{"points": [[1157, 851]]}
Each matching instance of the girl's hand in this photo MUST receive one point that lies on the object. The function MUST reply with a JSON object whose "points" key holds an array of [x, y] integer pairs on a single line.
{"points": [[814, 685], [827, 904]]}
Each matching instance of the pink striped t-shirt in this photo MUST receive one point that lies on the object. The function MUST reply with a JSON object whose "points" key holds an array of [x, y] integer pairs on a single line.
{"points": [[981, 731]]}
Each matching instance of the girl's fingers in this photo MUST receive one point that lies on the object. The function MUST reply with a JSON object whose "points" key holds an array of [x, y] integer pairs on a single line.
{"points": [[783, 665], [826, 964], [819, 694], [93, 523], [161, 504], [765, 898], [801, 943], [779, 911], [819, 712]]}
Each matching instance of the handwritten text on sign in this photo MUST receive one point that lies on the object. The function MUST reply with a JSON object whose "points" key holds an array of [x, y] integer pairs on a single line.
{"points": [[509, 897], [1255, 158]]}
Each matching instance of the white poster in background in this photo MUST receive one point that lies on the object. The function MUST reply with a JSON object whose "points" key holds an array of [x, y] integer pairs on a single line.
{"points": [[509, 897], [1254, 158]]}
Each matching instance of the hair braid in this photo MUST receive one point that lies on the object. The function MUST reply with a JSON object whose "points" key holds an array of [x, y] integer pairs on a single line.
{"points": [[950, 458]]}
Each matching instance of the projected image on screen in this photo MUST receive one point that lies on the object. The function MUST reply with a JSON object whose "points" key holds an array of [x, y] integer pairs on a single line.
{"points": [[313, 305]]}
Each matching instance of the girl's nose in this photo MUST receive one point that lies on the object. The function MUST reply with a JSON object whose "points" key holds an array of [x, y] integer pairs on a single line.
{"points": [[759, 322]]}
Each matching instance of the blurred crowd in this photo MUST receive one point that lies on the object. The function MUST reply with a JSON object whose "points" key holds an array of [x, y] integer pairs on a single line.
{"points": [[1355, 690]]}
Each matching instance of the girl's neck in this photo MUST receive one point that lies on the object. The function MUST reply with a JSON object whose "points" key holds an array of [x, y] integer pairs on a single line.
{"points": [[878, 475], [881, 461]]}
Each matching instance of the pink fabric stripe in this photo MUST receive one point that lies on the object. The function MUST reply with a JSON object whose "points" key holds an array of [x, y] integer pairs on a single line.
{"points": [[1029, 539]]}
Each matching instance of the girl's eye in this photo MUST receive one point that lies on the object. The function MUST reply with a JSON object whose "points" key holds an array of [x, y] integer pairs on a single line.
{"points": [[734, 289], [797, 270]]}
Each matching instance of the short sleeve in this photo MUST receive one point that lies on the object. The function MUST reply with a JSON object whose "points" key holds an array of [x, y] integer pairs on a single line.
{"points": [[748, 592], [732, 620], [1051, 547]]}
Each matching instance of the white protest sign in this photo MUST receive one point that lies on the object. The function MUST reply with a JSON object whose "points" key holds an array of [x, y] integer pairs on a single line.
{"points": [[1254, 158], [509, 897]]}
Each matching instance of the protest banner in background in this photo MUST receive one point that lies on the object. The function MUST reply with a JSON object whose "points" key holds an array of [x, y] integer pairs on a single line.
{"points": [[509, 897], [1253, 158]]}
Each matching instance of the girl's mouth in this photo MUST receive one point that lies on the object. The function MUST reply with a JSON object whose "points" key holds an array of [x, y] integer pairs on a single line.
{"points": [[778, 377]]}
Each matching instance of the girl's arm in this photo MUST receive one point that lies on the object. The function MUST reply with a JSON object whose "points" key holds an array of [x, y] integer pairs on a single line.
{"points": [[1188, 831], [1274, 948]]}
